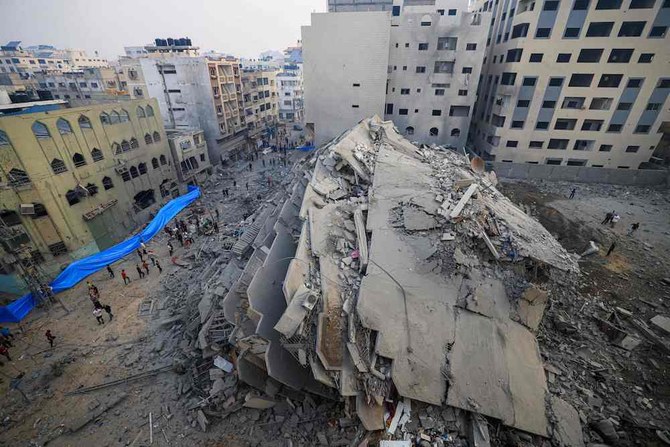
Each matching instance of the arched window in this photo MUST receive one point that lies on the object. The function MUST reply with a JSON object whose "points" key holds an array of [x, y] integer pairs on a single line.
{"points": [[149, 110], [114, 117], [96, 154], [92, 189], [107, 183], [140, 112], [409, 130], [154, 163], [84, 122], [72, 197], [142, 167], [163, 160], [4, 139], [125, 146], [40, 130], [148, 139], [78, 160], [133, 143], [455, 132], [58, 166], [157, 136], [133, 172], [104, 118], [434, 131], [125, 116], [426, 20], [116, 149], [63, 126], [17, 177]]}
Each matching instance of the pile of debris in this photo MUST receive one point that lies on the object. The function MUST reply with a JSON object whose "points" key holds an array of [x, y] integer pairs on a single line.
{"points": [[396, 279]]}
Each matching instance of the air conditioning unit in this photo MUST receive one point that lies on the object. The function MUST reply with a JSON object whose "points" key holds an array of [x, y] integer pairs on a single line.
{"points": [[121, 169], [27, 209]]}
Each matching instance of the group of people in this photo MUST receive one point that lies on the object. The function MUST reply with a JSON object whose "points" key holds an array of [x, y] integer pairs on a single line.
{"points": [[613, 217], [98, 307]]}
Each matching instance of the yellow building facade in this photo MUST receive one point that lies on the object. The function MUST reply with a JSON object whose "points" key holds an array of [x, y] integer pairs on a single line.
{"points": [[78, 180], [261, 108]]}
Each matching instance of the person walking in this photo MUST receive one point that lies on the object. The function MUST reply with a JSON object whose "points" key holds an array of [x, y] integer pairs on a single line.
{"points": [[247, 185], [124, 275], [107, 308], [170, 248], [50, 337], [217, 210], [611, 249], [94, 299], [158, 265], [92, 288], [572, 194], [146, 266], [234, 183], [608, 218], [4, 351], [615, 218], [139, 270], [97, 313], [633, 228], [110, 271], [139, 253]]}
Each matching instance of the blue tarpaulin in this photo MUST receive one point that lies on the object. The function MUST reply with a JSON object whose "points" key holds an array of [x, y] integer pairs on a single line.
{"points": [[305, 148], [80, 269]]}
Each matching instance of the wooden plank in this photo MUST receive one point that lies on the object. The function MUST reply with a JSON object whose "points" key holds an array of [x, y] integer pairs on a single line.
{"points": [[464, 200]]}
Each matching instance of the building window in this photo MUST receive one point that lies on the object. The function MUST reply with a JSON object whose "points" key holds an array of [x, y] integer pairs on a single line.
{"points": [[63, 126], [608, 4], [436, 112], [107, 183], [133, 172], [645, 58], [610, 80], [404, 91], [72, 197], [396, 11], [163, 160], [548, 104], [572, 33], [536, 144], [402, 111], [632, 148], [140, 112], [423, 47], [601, 103], [620, 56], [78, 160], [641, 128], [599, 29], [631, 29], [444, 67], [590, 55], [467, 70], [517, 125], [605, 148], [565, 124], [148, 139], [513, 55], [4, 139], [653, 106], [529, 82], [154, 163], [389, 109], [461, 111], [425, 20], [658, 32], [634, 83], [354, 106], [149, 111], [451, 12], [40, 130], [523, 103], [614, 128], [508, 78], [142, 168], [84, 122], [58, 166], [409, 130], [558, 143], [470, 47], [520, 30], [642, 4], [462, 93], [125, 146], [157, 137], [96, 155], [563, 58], [434, 131], [542, 33], [512, 143], [439, 92], [536, 57], [542, 125], [581, 80], [421, 69], [455, 132]]}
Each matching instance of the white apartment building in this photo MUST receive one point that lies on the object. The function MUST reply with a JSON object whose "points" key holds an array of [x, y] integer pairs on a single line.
{"points": [[291, 94], [29, 60], [573, 82], [427, 74], [189, 152], [192, 92]]}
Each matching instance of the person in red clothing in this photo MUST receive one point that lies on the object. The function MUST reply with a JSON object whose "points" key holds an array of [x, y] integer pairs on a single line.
{"points": [[124, 275], [50, 337], [5, 352]]}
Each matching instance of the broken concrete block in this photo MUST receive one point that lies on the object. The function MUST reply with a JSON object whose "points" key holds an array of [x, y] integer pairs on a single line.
{"points": [[531, 307], [415, 219], [567, 427], [371, 415], [448, 237], [202, 420], [661, 322], [260, 402]]}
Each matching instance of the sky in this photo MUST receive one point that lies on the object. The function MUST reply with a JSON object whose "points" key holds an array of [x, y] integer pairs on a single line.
{"points": [[243, 28]]}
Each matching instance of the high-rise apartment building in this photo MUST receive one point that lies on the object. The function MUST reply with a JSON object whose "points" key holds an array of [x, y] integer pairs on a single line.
{"points": [[573, 82], [80, 86], [192, 92], [417, 64], [261, 110], [291, 93], [78, 180]]}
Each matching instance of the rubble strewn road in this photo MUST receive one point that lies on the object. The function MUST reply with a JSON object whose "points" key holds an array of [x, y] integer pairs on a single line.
{"points": [[373, 292]]}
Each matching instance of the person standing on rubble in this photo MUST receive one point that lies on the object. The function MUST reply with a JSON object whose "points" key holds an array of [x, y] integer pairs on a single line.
{"points": [[124, 275], [139, 270], [97, 313], [615, 218], [110, 271], [139, 253], [158, 266], [572, 194], [50, 337], [180, 238], [247, 185], [611, 249], [170, 247], [146, 266], [4, 351], [633, 228]]}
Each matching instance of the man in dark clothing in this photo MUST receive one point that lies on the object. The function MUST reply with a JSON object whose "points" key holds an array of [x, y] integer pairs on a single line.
{"points": [[608, 218], [180, 238], [572, 194], [107, 308], [158, 266], [139, 253], [146, 266], [633, 228], [110, 271], [217, 210], [170, 247], [612, 247], [50, 337], [139, 270]]}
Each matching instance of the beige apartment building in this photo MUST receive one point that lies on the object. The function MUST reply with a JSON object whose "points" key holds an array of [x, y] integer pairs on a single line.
{"points": [[261, 107], [78, 180], [576, 83], [190, 155]]}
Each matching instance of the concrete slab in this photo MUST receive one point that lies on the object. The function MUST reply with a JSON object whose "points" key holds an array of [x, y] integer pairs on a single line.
{"points": [[259, 402], [531, 307], [661, 322], [567, 427], [415, 219], [371, 415], [330, 346]]}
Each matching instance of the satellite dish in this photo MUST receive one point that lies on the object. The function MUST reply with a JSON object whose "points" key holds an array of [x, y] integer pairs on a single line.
{"points": [[477, 164]]}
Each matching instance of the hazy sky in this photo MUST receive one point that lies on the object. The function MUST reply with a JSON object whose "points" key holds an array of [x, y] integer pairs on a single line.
{"points": [[240, 27]]}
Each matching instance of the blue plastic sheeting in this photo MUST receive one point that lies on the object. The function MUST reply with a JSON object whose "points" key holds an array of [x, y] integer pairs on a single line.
{"points": [[80, 269], [305, 148]]}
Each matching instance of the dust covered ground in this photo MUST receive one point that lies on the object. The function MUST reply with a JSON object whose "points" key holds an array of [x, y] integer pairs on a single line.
{"points": [[627, 391]]}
